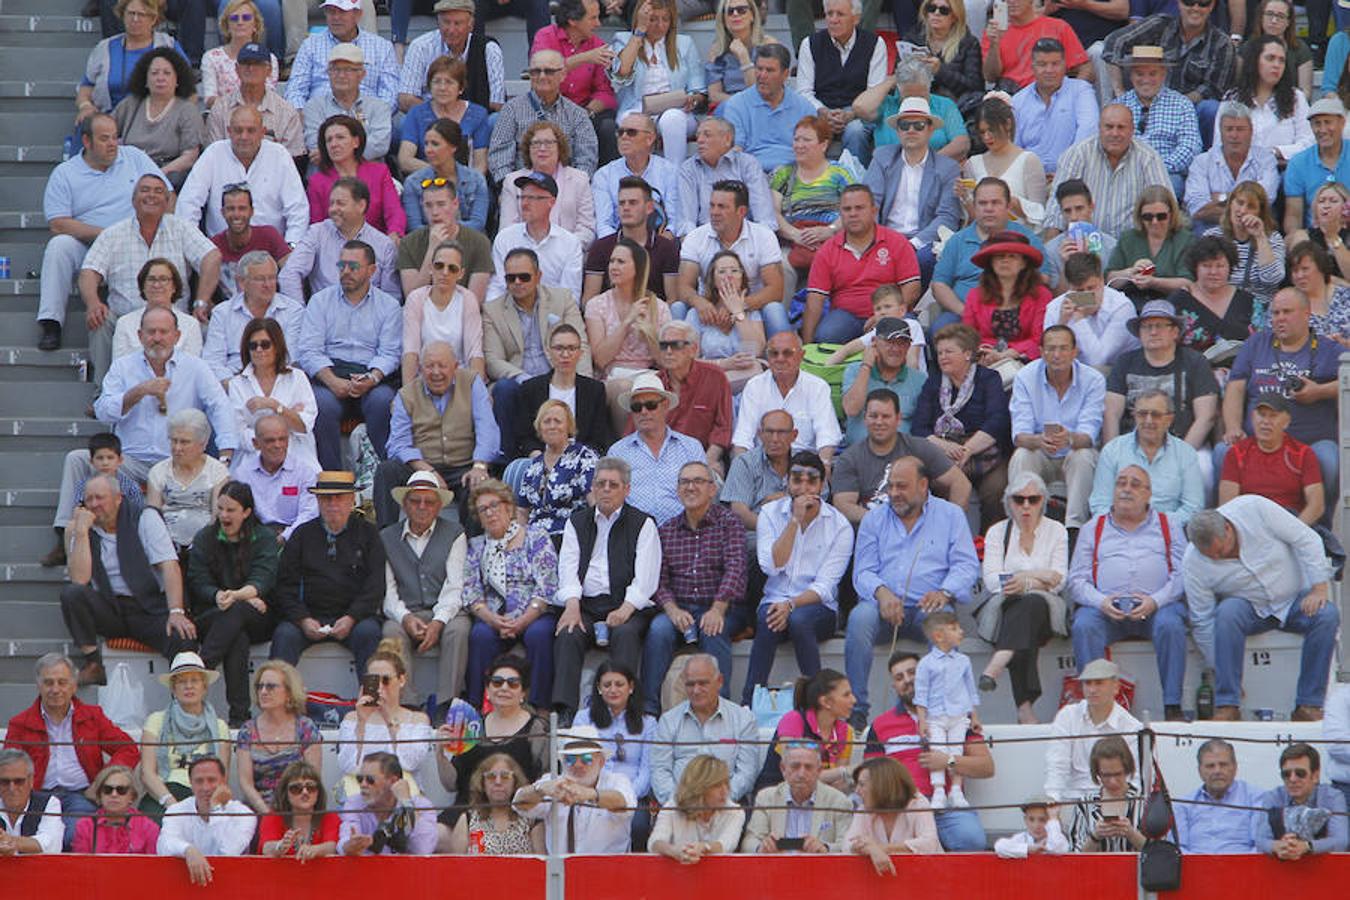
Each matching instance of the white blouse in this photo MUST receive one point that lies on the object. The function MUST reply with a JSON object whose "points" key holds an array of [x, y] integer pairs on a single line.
{"points": [[293, 390], [674, 827], [1288, 136], [188, 508], [1049, 550]]}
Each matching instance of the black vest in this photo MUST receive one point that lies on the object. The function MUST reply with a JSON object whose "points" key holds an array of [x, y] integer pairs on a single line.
{"points": [[419, 579], [479, 89], [32, 815], [837, 86], [135, 565], [623, 539]]}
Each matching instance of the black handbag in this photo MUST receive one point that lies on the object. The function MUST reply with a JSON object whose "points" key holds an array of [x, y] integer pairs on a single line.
{"points": [[1160, 860]]}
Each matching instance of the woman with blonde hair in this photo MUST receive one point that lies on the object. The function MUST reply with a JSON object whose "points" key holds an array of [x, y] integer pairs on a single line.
{"points": [[1150, 259], [658, 72], [701, 819], [117, 826], [895, 817], [1249, 223], [491, 826], [244, 24], [381, 721], [281, 734], [557, 482], [1330, 227], [954, 55], [737, 31]]}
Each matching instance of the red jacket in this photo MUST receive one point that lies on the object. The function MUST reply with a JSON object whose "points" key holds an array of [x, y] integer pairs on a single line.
{"points": [[1030, 315], [96, 737]]}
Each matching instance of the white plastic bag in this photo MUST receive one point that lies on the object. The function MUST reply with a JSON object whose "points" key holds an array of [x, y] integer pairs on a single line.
{"points": [[122, 699]]}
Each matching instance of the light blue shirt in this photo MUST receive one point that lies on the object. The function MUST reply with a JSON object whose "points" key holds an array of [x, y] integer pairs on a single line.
{"points": [[661, 174], [763, 131], [729, 734], [315, 258], [487, 439], [697, 179], [309, 72], [144, 429], [636, 765], [1337, 835], [76, 190], [1218, 828], [937, 555], [1049, 129], [819, 555], [944, 684], [1306, 173], [1209, 174], [369, 333], [654, 477], [228, 321], [1174, 473], [955, 269], [906, 386], [1127, 561], [1035, 402], [1279, 560]]}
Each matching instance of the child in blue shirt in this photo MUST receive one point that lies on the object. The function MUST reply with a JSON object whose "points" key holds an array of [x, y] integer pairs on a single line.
{"points": [[944, 700]]}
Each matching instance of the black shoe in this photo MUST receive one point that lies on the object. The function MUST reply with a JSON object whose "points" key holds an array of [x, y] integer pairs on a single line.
{"points": [[987, 684], [91, 673], [51, 335], [90, 10]]}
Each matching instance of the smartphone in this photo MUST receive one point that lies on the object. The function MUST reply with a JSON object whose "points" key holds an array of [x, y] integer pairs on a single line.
{"points": [[1001, 14], [370, 686], [1053, 428], [1148, 269], [1084, 300], [787, 844]]}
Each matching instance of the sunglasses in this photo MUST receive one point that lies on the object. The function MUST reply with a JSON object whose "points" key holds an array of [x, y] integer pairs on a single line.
{"points": [[452, 268], [911, 125], [1026, 499], [120, 790], [505, 681], [738, 10], [348, 264], [1154, 217], [648, 405], [939, 10], [14, 782], [241, 17], [259, 345], [1196, 2], [264, 686], [571, 759], [296, 788], [1286, 774], [519, 277], [436, 182], [499, 776], [672, 345], [630, 132], [365, 779], [538, 71], [384, 679]]}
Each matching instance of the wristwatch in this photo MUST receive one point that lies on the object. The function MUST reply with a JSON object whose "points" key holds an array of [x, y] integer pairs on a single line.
{"points": [[951, 598], [951, 763], [738, 318]]}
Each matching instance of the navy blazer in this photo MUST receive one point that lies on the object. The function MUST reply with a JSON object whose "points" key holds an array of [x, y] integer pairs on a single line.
{"points": [[986, 410]]}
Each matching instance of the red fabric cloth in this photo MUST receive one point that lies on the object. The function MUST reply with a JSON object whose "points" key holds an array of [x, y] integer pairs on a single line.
{"points": [[91, 728], [263, 237], [1280, 476], [587, 81], [849, 280], [273, 827], [140, 835], [1031, 315], [704, 410], [385, 211], [1014, 48]]}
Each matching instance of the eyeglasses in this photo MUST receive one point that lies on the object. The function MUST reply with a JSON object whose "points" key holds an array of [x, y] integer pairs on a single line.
{"points": [[544, 142], [348, 264], [738, 10], [1026, 499], [434, 182], [296, 788], [241, 17], [512, 681], [540, 71], [488, 508], [519, 277], [1151, 414], [1287, 774], [265, 686], [255, 346], [1154, 217], [384, 679], [565, 348], [119, 789], [571, 759], [693, 482], [137, 14], [1276, 15], [452, 268], [365, 779], [672, 345], [14, 782], [631, 132], [499, 776], [648, 405], [606, 484], [936, 10], [158, 279], [911, 125]]}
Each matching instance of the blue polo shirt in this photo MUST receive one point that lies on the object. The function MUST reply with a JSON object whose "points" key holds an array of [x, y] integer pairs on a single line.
{"points": [[76, 190], [763, 131], [955, 269], [1306, 173]]}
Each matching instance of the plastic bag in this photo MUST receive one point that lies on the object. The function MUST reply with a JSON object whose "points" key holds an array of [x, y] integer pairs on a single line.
{"points": [[122, 699]]}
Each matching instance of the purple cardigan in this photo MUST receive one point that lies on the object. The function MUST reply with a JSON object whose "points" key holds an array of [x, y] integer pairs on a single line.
{"points": [[385, 212]]}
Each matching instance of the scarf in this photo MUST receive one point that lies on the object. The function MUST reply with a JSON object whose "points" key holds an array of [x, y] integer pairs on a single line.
{"points": [[184, 737], [948, 426], [494, 562]]}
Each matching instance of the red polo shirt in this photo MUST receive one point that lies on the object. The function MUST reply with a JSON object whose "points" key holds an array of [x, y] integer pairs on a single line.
{"points": [[849, 278], [704, 410]]}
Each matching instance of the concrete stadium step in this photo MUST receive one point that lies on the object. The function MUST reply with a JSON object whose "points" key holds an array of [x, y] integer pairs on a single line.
{"points": [[15, 327], [25, 543], [30, 582], [31, 90], [26, 620], [59, 63], [51, 434], [29, 364], [43, 128], [44, 399], [52, 23], [17, 155], [28, 470], [24, 190]]}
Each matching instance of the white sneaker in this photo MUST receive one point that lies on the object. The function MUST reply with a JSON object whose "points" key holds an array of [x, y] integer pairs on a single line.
{"points": [[958, 799], [939, 800]]}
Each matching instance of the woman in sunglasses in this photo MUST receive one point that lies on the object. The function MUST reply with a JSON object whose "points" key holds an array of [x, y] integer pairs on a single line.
{"points": [[301, 826], [380, 722], [444, 310], [625, 732], [281, 734], [953, 53], [1026, 559], [492, 826], [1149, 261], [117, 827], [267, 385], [241, 20], [738, 30]]}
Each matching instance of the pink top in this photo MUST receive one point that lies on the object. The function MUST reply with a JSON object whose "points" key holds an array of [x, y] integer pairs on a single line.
{"points": [[1030, 316], [634, 352], [574, 211], [385, 212], [140, 834], [460, 324], [586, 82], [916, 830], [219, 77]]}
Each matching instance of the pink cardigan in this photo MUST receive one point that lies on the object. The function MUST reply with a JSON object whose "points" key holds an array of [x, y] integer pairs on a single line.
{"points": [[140, 835], [385, 212], [470, 324], [1030, 315]]}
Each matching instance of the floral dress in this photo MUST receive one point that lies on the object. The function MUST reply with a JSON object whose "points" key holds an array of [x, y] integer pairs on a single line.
{"points": [[514, 841], [268, 761], [552, 495], [531, 574], [1336, 323]]}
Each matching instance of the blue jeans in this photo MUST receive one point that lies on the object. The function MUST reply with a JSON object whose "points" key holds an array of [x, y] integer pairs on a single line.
{"points": [[1235, 619], [1093, 631], [807, 627], [74, 806], [838, 326], [1205, 111], [960, 831], [272, 24], [373, 409], [400, 15], [659, 650], [485, 645], [857, 139], [927, 262], [288, 642], [504, 393], [865, 630]]}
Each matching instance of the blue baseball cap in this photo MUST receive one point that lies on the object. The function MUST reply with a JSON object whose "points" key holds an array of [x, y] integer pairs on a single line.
{"points": [[253, 53]]}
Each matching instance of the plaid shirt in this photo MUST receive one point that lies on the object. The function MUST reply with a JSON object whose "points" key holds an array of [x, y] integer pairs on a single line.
{"points": [[1169, 126], [520, 113], [119, 252], [1206, 66], [700, 567]]}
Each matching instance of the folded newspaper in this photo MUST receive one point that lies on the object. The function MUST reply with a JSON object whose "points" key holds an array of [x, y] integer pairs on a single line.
{"points": [[1223, 350]]}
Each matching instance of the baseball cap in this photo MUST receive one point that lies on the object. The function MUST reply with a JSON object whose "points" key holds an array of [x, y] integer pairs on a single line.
{"points": [[253, 53], [893, 329], [348, 53], [538, 179]]}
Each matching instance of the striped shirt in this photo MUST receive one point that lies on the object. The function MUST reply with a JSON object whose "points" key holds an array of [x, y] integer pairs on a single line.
{"points": [[309, 73], [519, 113], [119, 252], [1263, 279], [1114, 189]]}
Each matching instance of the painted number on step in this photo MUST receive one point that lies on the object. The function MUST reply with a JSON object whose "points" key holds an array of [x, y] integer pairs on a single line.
{"points": [[1066, 663], [1260, 657]]}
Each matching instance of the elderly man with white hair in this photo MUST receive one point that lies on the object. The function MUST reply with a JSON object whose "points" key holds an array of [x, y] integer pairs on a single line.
{"points": [[586, 809], [838, 63], [717, 160], [704, 409], [257, 298], [30, 821], [1234, 158]]}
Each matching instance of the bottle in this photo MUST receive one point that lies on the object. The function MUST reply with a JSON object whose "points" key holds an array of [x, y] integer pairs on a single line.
{"points": [[1204, 698]]}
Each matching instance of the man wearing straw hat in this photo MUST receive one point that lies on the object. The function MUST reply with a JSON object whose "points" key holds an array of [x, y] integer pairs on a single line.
{"points": [[331, 580], [1205, 57], [1162, 116]]}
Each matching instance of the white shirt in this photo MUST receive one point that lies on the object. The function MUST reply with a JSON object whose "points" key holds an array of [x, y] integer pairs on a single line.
{"points": [[126, 340], [596, 830], [808, 402], [450, 599], [756, 245], [51, 830], [560, 257], [1288, 136], [819, 555], [278, 195], [646, 565], [904, 216], [1049, 550], [292, 390], [1102, 336], [218, 835], [568, 396], [63, 766], [1067, 776], [806, 66], [1017, 845]]}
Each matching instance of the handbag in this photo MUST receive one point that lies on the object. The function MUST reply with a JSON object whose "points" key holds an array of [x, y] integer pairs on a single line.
{"points": [[1160, 859], [801, 256], [770, 704]]}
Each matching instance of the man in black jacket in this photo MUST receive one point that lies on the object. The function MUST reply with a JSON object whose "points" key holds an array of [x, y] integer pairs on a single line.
{"points": [[331, 582]]}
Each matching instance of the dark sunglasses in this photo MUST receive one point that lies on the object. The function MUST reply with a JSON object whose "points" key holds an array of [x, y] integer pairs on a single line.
{"points": [[344, 264], [296, 788], [259, 345], [911, 125], [1286, 774], [737, 10], [672, 345], [241, 17], [452, 268], [571, 759], [630, 132], [365, 779], [14, 782], [648, 405], [940, 10], [1026, 499], [1154, 217], [1196, 2], [537, 71], [120, 789], [505, 681], [519, 277]]}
